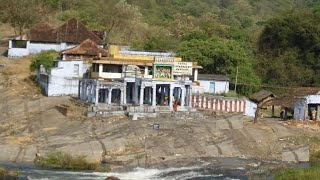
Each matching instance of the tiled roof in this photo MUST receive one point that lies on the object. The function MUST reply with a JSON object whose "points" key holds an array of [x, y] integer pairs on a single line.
{"points": [[72, 31], [87, 47], [217, 77], [290, 97], [261, 95]]}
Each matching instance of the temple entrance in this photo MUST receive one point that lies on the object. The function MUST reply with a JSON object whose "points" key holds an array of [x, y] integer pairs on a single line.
{"points": [[116, 96], [132, 93], [163, 95]]}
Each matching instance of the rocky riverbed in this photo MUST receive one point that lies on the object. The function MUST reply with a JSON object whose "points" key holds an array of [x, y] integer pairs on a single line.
{"points": [[33, 124]]}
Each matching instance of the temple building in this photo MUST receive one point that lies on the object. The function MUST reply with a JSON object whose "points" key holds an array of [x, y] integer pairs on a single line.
{"points": [[139, 79]]}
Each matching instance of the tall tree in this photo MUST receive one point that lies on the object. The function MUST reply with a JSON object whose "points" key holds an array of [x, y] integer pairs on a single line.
{"points": [[21, 14], [289, 50], [222, 56]]}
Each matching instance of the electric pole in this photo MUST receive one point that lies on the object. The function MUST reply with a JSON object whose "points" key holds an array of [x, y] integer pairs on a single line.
{"points": [[235, 86]]}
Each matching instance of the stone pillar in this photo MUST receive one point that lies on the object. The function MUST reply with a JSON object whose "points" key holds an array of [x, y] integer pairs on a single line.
{"points": [[187, 96], [122, 96], [91, 93], [150, 96], [190, 96], [135, 93], [105, 92], [146, 71], [171, 97], [79, 90], [154, 91], [96, 96], [86, 92], [195, 75], [141, 94], [183, 97], [125, 93], [109, 95], [100, 70]]}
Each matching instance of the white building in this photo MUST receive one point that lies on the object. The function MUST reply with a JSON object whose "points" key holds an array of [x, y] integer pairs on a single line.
{"points": [[63, 78], [42, 37], [211, 83], [306, 103]]}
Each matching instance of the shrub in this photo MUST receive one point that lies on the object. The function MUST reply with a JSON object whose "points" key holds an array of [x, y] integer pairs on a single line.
{"points": [[8, 174], [301, 174], [61, 160], [44, 58], [298, 174]]}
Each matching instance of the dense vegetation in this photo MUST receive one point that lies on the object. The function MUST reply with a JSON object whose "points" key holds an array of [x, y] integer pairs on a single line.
{"points": [[274, 42], [60, 160]]}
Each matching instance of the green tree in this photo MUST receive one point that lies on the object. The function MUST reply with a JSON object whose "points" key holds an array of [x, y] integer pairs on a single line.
{"points": [[289, 49], [222, 56], [45, 58]]}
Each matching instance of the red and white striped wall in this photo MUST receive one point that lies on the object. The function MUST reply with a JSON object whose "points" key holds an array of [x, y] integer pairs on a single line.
{"points": [[217, 103]]}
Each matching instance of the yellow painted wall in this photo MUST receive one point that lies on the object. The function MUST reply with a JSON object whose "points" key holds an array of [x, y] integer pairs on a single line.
{"points": [[113, 51]]}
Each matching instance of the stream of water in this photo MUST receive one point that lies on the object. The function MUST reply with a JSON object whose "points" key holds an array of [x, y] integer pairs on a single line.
{"points": [[190, 173]]}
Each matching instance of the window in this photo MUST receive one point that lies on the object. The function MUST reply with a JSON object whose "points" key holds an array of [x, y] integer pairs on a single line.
{"points": [[76, 69], [19, 44], [112, 68], [95, 67]]}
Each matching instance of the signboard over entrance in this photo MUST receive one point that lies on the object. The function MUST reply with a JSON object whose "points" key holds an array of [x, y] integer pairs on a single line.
{"points": [[163, 60], [182, 68]]}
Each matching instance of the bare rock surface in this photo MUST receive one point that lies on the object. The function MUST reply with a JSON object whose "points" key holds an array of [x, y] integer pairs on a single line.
{"points": [[31, 123]]}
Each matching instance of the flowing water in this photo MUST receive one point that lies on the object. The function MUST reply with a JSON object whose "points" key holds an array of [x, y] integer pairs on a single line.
{"points": [[190, 173]]}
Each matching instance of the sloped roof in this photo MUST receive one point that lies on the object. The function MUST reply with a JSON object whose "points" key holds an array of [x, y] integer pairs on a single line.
{"points": [[87, 47], [217, 77], [72, 31], [261, 95], [290, 97]]}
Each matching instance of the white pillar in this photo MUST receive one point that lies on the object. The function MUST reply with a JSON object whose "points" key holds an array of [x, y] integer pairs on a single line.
{"points": [[122, 96], [183, 96], [154, 91], [87, 93], [146, 71], [92, 93], [96, 96], [171, 97], [141, 94], [100, 69], [190, 96], [125, 93], [150, 95], [195, 75], [10, 44], [109, 95]]}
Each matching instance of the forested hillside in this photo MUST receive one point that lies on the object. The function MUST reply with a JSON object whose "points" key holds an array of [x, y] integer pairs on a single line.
{"points": [[272, 42]]}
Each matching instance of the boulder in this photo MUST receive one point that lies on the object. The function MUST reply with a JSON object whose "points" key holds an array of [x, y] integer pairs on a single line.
{"points": [[112, 178]]}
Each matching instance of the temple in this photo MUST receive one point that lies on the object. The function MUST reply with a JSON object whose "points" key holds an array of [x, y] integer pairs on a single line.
{"points": [[143, 80]]}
